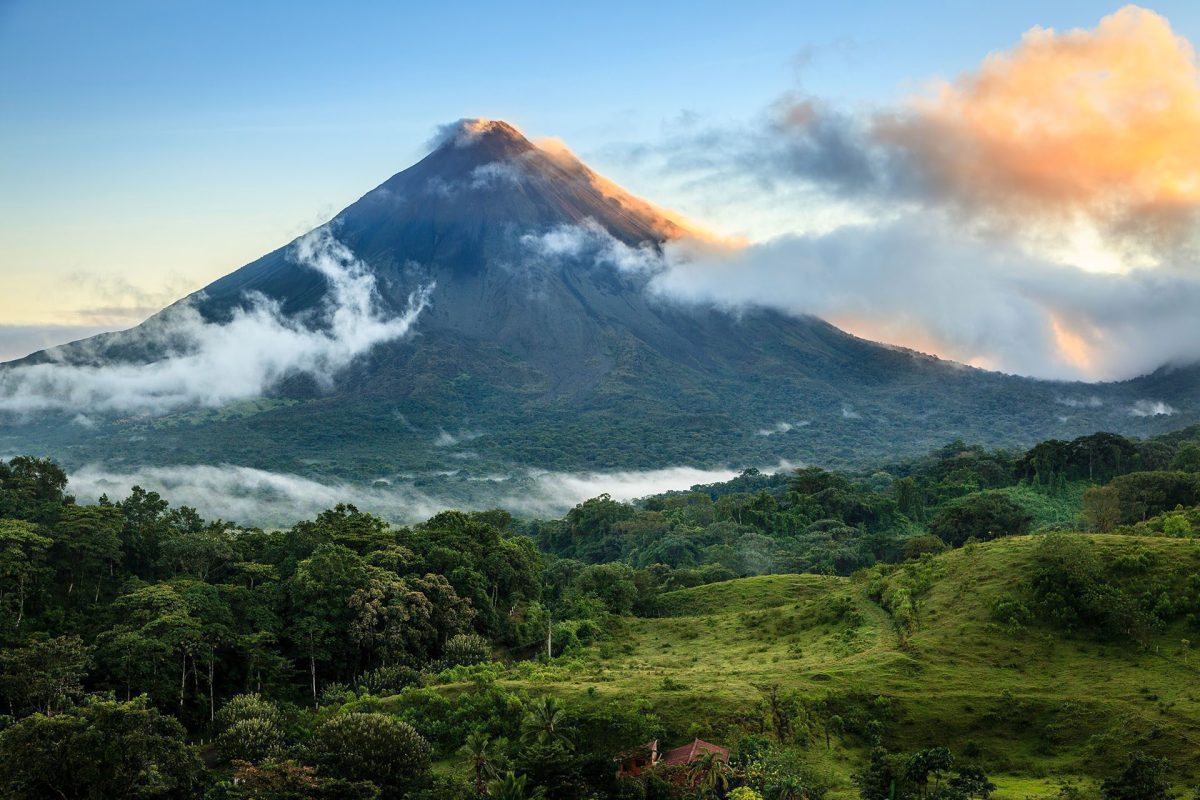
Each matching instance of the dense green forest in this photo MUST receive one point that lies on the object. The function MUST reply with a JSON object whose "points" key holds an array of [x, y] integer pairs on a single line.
{"points": [[973, 623]]}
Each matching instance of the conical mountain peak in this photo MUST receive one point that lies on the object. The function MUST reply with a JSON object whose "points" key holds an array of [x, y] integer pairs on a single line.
{"points": [[485, 184], [486, 139]]}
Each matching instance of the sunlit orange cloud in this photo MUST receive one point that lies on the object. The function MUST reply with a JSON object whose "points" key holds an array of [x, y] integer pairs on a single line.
{"points": [[1072, 347], [1102, 122], [905, 335]]}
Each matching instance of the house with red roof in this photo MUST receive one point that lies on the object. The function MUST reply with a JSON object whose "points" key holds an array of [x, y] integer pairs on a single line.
{"points": [[634, 762]]}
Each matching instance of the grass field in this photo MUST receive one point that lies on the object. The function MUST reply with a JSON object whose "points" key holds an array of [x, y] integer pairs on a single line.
{"points": [[1032, 705]]}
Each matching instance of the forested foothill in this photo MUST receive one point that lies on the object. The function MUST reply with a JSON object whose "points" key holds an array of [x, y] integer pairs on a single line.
{"points": [[974, 623]]}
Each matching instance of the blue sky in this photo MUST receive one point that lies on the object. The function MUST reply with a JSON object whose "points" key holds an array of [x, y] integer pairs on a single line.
{"points": [[149, 147]]}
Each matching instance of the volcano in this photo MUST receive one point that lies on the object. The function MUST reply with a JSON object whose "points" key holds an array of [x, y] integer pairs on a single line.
{"points": [[541, 346]]}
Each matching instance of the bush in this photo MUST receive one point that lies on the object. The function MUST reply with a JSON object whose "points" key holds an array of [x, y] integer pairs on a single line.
{"points": [[466, 649], [1070, 588], [101, 748], [744, 793], [917, 546], [1143, 778], [982, 516], [371, 747], [389, 680], [252, 739], [247, 706], [336, 694], [1010, 611]]}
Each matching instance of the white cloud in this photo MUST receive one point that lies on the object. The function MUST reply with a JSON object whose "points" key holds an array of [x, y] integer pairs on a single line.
{"points": [[781, 427], [922, 282], [447, 439], [210, 364], [496, 173], [1151, 408], [590, 241], [1079, 402], [272, 499]]}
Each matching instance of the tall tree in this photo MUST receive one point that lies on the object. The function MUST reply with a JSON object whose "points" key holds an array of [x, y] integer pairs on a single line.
{"points": [[22, 565]]}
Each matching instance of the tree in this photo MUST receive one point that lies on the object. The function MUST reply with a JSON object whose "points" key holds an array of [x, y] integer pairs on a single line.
{"points": [[1143, 777], [1144, 494], [145, 526], [969, 783], [483, 755], [880, 780], [22, 564], [32, 489], [613, 584], [545, 720], [925, 764], [320, 592], [199, 554], [44, 674], [1188, 458], [917, 546], [101, 749], [1102, 508], [782, 710], [153, 641], [350, 746], [910, 498], [87, 545], [466, 649], [252, 740], [711, 774], [982, 516]]}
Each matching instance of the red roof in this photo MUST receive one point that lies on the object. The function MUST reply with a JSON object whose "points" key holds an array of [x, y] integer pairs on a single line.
{"points": [[689, 753]]}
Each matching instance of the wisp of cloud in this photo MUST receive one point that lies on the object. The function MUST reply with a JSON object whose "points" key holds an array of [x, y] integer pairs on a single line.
{"points": [[251, 496], [213, 363]]}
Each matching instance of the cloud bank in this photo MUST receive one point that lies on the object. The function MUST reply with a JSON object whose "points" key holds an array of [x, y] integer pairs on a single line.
{"points": [[272, 499], [920, 282], [211, 364]]}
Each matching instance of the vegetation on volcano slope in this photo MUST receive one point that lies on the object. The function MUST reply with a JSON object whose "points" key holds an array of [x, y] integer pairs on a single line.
{"points": [[238, 663]]}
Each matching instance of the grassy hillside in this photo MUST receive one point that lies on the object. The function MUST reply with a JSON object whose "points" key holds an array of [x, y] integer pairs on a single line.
{"points": [[1032, 703]]}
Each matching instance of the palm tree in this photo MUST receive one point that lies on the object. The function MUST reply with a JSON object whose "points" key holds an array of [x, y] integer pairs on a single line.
{"points": [[483, 755], [711, 774], [512, 787], [544, 721]]}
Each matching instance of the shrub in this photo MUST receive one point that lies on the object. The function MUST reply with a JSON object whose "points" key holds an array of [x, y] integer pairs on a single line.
{"points": [[744, 793], [1010, 611], [917, 546], [1143, 778], [371, 747], [389, 680], [247, 706], [982, 516], [337, 694], [252, 739], [466, 649]]}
